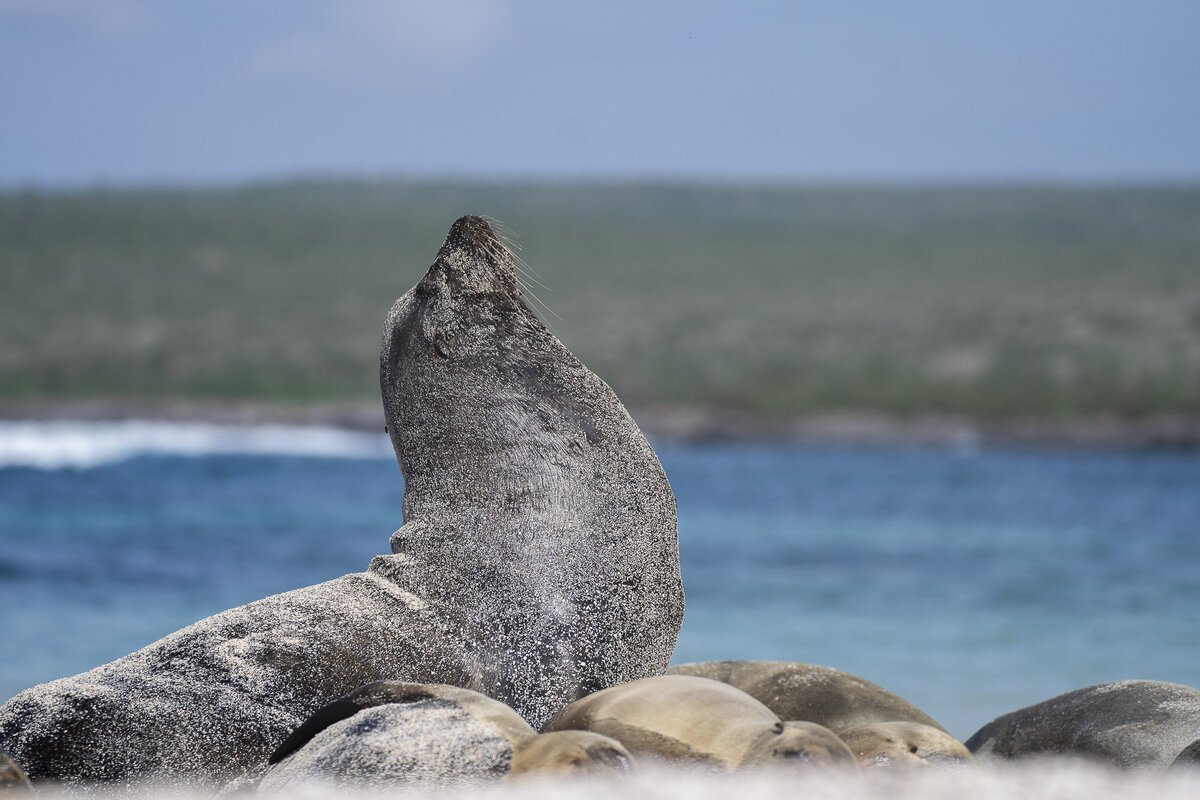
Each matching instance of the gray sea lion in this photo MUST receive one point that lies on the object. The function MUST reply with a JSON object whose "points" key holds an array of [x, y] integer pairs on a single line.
{"points": [[696, 721], [538, 560], [12, 779], [904, 744], [795, 691], [1126, 723], [389, 734], [517, 451]]}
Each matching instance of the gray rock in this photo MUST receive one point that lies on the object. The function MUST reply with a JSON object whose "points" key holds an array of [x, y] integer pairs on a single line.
{"points": [[538, 561], [390, 734], [1126, 723], [795, 691]]}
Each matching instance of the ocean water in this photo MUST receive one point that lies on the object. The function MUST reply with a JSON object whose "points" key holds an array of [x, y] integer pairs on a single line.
{"points": [[971, 582]]}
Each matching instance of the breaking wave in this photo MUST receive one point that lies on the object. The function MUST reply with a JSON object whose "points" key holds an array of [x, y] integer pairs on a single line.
{"points": [[68, 444]]}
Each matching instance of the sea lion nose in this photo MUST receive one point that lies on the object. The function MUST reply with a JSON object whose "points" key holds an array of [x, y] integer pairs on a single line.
{"points": [[471, 231]]}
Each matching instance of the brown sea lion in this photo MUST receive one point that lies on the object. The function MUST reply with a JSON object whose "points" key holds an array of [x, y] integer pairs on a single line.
{"points": [[904, 744], [538, 560], [795, 691], [569, 753], [696, 721], [12, 779]]}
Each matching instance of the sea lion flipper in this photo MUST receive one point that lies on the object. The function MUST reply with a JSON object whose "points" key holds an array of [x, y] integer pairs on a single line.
{"points": [[366, 696], [406, 534]]}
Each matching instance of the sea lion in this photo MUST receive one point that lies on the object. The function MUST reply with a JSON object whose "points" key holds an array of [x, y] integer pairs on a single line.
{"points": [[904, 744], [12, 779], [569, 753], [390, 733], [700, 722], [538, 560], [1125, 723], [519, 452], [795, 691]]}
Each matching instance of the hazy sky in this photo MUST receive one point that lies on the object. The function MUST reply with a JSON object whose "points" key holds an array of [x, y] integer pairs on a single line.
{"points": [[183, 90]]}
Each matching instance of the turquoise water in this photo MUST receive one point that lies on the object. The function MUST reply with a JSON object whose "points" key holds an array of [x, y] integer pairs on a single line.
{"points": [[971, 583]]}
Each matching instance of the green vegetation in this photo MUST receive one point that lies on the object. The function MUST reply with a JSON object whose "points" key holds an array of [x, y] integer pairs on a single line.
{"points": [[994, 301]]}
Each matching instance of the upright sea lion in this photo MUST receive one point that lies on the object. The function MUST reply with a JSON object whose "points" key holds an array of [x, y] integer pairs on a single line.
{"points": [[700, 722], [390, 734], [538, 560], [1126, 723], [529, 490], [795, 691]]}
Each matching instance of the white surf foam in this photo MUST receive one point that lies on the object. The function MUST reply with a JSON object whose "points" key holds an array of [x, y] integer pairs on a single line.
{"points": [[1062, 780], [63, 444]]}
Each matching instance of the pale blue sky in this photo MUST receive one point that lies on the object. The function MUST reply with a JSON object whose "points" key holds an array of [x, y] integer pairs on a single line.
{"points": [[134, 91]]}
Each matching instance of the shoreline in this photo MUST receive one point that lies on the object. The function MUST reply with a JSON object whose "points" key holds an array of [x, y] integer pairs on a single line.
{"points": [[685, 425]]}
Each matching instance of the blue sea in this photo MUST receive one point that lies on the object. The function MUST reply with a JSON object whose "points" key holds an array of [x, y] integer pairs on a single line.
{"points": [[970, 581]]}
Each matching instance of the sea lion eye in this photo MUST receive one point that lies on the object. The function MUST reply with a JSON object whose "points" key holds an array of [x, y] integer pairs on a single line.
{"points": [[441, 345]]}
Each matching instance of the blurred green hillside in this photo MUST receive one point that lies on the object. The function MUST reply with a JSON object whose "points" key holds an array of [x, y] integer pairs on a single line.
{"points": [[993, 302]]}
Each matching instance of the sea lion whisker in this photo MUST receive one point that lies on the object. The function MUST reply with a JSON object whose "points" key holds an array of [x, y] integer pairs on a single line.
{"points": [[531, 278], [541, 303], [525, 264]]}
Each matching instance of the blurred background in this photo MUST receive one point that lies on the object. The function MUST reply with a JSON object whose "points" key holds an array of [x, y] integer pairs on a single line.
{"points": [[907, 295]]}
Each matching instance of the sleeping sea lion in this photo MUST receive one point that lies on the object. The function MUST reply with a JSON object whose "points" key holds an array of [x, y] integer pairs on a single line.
{"points": [[390, 734], [795, 691], [538, 560], [1125, 723], [904, 744], [700, 722]]}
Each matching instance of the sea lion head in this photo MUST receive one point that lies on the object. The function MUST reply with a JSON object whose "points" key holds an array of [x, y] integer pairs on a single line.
{"points": [[12, 778], [569, 753], [473, 382], [801, 744], [471, 288], [905, 744]]}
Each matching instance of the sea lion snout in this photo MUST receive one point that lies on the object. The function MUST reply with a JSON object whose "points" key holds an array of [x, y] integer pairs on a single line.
{"points": [[471, 231], [473, 259]]}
